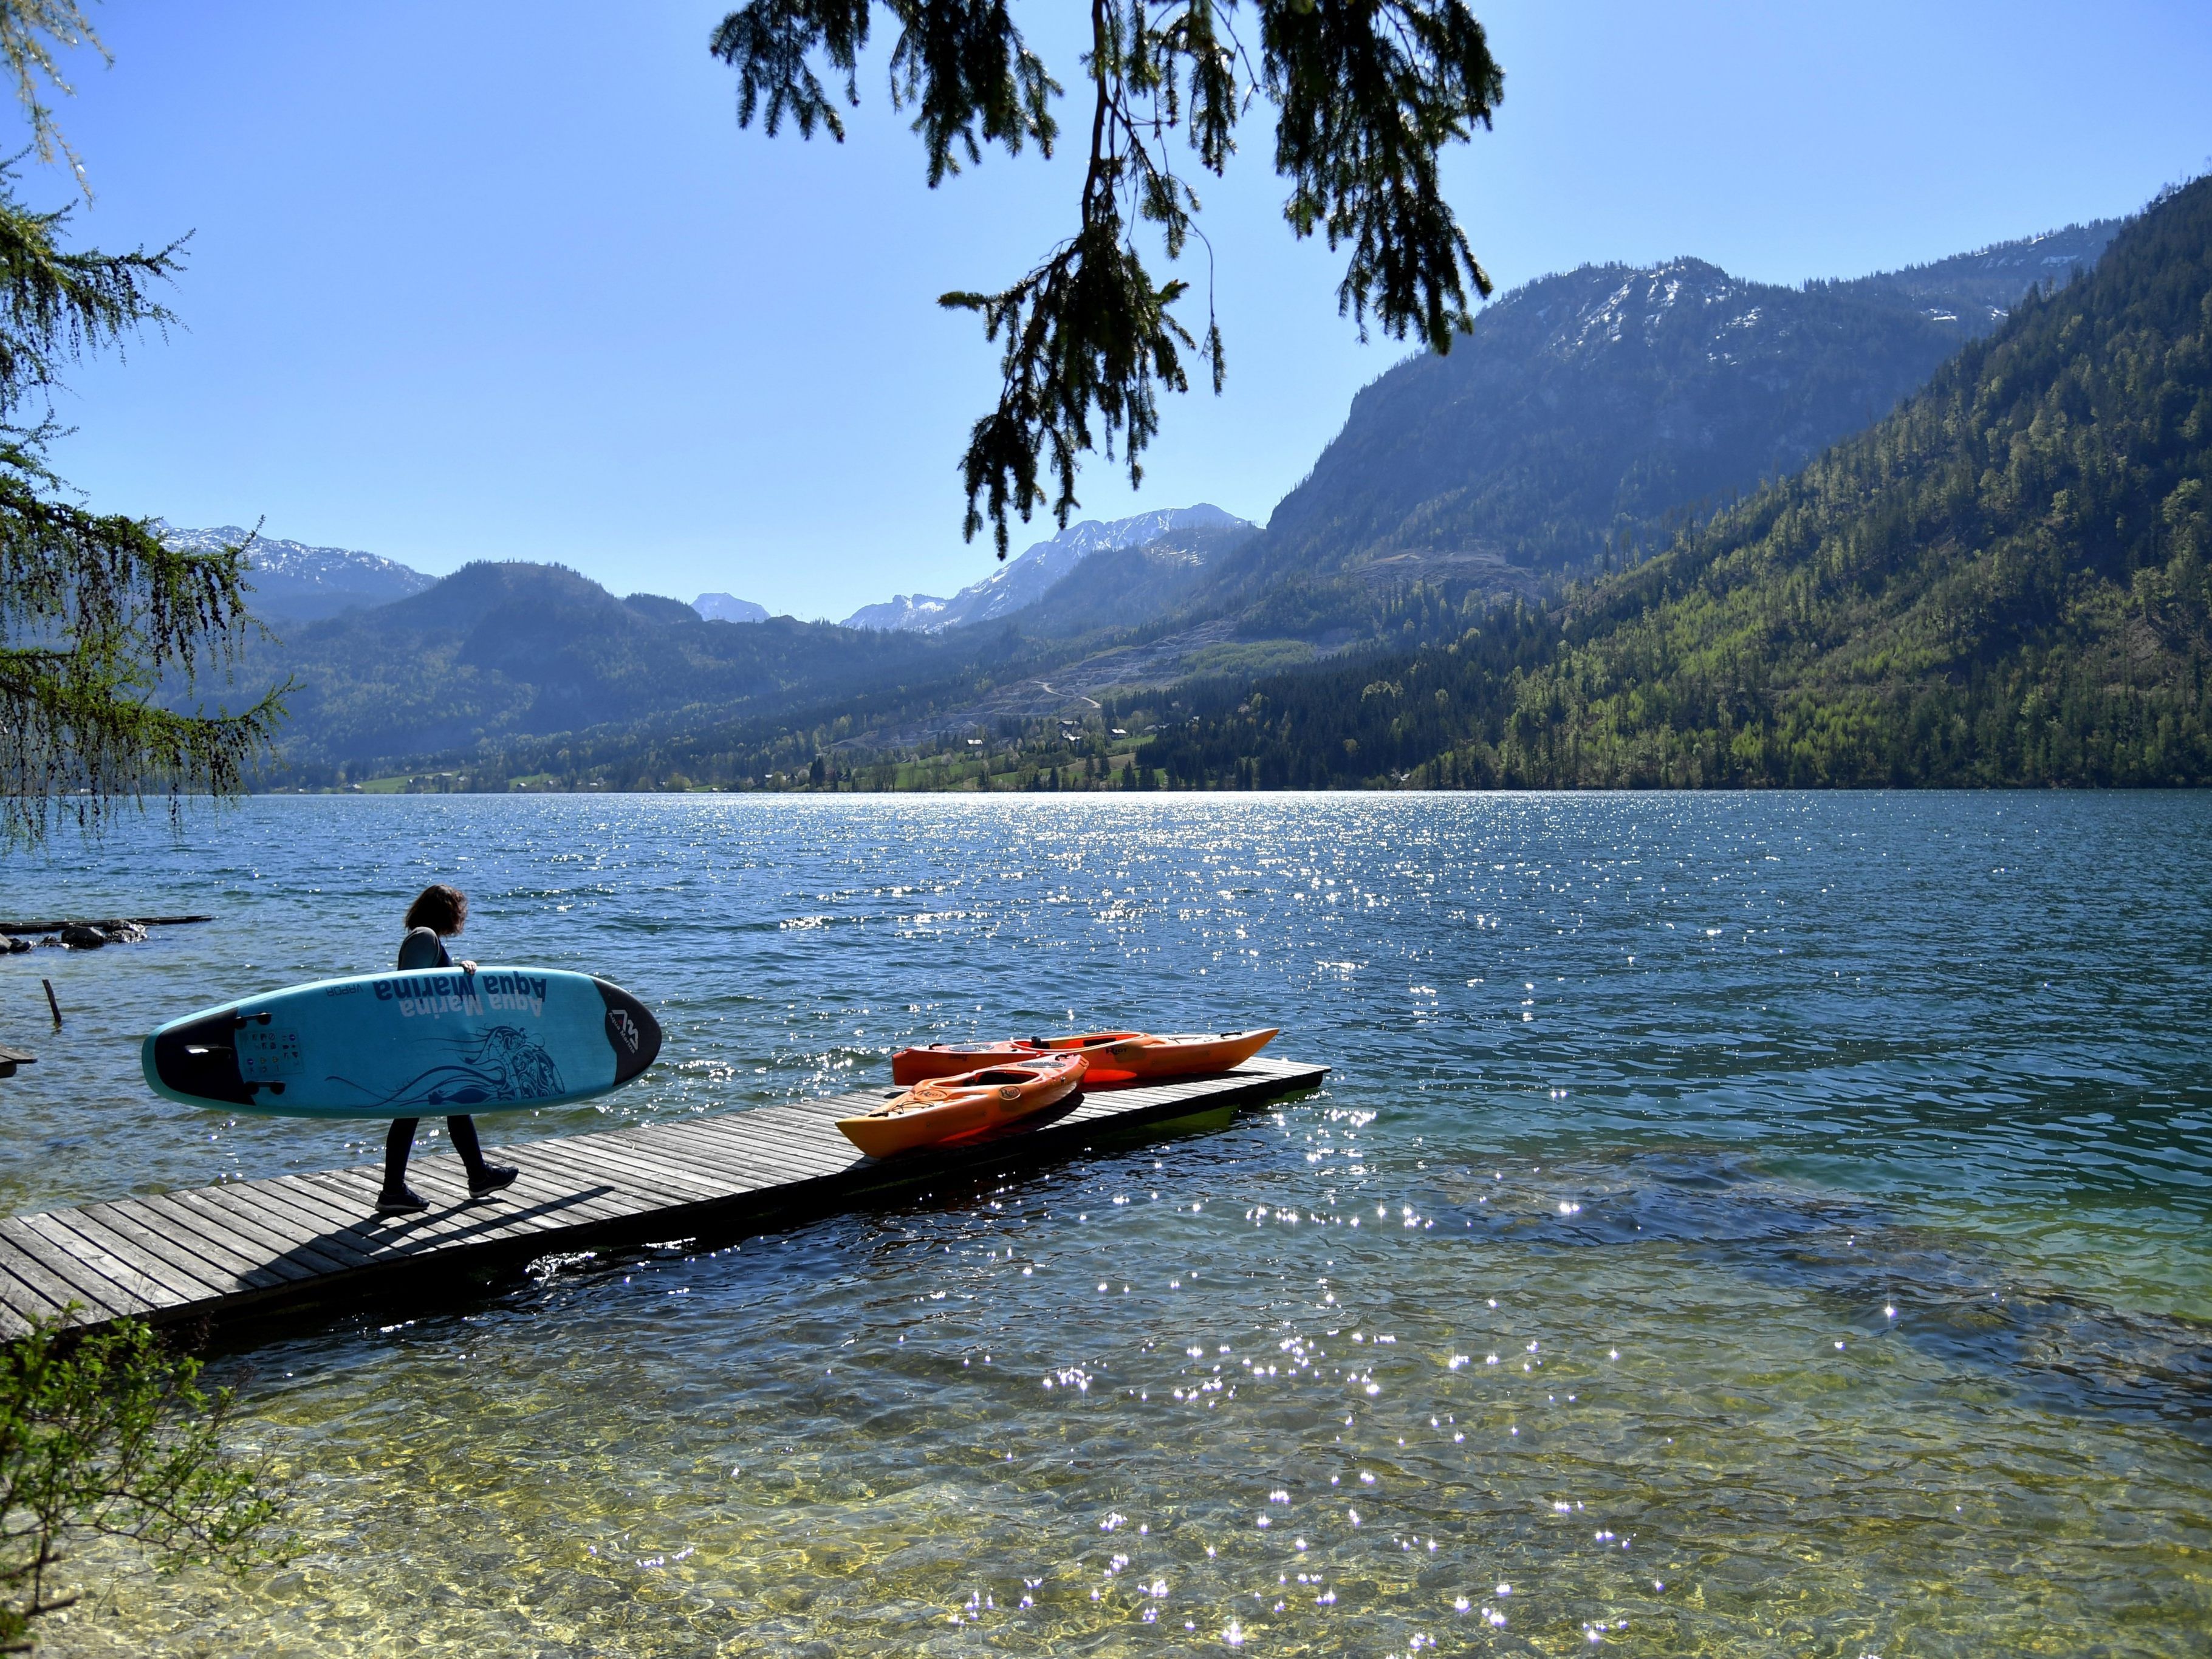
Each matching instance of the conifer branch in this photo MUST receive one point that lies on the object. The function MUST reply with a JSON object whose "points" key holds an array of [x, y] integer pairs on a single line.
{"points": [[1370, 92]]}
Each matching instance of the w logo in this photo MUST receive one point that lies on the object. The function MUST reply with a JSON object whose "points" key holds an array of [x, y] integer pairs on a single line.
{"points": [[624, 1026]]}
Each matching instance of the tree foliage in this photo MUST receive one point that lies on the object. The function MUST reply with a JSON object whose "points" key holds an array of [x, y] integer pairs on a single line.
{"points": [[106, 1434], [30, 32], [1368, 93], [102, 625]]}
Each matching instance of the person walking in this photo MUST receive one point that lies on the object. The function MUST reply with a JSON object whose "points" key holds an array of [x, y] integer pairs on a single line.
{"points": [[438, 913]]}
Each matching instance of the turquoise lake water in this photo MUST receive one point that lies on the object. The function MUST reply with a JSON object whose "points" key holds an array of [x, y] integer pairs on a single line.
{"points": [[1780, 1228]]}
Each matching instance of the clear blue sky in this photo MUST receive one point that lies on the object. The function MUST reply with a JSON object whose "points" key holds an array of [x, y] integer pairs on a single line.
{"points": [[498, 280]]}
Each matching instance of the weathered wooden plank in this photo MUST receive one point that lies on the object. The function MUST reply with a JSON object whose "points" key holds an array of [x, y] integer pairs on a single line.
{"points": [[185, 1279], [136, 1292], [455, 1222], [795, 1151], [800, 1155], [638, 1170], [286, 1208], [591, 1199], [810, 1129], [170, 1229], [105, 922], [732, 1162], [301, 1234], [29, 1290], [700, 1158], [58, 1277]]}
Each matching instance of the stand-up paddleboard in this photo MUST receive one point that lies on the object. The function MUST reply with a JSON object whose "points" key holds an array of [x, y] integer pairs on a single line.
{"points": [[411, 1044]]}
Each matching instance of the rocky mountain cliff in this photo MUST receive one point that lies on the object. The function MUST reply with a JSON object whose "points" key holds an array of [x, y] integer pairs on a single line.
{"points": [[1591, 414]]}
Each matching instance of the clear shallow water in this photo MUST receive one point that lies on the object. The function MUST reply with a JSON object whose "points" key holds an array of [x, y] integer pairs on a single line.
{"points": [[1786, 1215]]}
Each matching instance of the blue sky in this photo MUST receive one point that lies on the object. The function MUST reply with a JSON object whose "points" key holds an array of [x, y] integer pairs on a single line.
{"points": [[507, 280]]}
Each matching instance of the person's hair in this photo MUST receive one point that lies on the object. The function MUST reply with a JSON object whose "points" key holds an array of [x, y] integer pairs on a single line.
{"points": [[441, 909]]}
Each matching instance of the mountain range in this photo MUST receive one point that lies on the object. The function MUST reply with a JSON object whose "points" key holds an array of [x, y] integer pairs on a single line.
{"points": [[1024, 580], [1592, 420], [294, 582]]}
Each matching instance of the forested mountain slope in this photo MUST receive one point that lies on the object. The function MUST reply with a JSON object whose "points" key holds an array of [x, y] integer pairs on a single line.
{"points": [[496, 652], [2004, 581]]}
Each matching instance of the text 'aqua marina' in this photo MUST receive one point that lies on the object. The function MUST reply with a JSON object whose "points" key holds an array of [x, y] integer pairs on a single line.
{"points": [[431, 994]]}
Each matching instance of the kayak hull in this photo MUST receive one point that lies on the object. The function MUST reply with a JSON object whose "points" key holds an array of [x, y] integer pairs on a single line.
{"points": [[1114, 1056], [948, 1110]]}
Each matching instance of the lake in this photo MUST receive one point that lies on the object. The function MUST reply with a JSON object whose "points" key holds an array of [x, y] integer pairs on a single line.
{"points": [[1734, 1224]]}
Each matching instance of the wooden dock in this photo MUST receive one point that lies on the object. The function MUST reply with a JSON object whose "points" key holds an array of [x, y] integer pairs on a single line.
{"points": [[251, 1248]]}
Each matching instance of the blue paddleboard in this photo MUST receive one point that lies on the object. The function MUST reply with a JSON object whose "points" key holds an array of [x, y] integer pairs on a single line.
{"points": [[414, 1044]]}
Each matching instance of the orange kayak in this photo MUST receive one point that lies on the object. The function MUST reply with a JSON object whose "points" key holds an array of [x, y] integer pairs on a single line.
{"points": [[1114, 1056], [938, 1110]]}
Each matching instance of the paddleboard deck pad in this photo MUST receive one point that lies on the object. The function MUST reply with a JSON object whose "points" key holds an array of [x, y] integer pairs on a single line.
{"points": [[414, 1044]]}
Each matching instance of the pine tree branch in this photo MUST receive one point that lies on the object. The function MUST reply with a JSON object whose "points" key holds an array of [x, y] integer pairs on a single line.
{"points": [[1369, 93]]}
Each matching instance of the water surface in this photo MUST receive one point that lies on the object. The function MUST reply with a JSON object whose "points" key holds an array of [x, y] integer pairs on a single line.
{"points": [[1734, 1224]]}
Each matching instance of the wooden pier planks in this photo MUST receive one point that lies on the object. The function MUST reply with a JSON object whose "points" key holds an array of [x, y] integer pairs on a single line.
{"points": [[256, 1246]]}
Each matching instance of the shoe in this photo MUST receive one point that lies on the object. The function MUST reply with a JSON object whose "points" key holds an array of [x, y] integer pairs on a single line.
{"points": [[405, 1202], [491, 1178]]}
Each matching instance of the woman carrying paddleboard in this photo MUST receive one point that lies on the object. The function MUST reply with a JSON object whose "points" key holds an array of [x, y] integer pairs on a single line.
{"points": [[438, 913]]}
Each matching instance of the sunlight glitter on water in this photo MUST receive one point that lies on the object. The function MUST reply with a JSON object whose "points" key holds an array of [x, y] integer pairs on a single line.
{"points": [[1611, 1406]]}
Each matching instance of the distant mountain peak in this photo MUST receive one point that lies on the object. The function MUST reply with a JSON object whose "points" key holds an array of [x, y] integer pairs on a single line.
{"points": [[1024, 580], [293, 581], [728, 607], [902, 613]]}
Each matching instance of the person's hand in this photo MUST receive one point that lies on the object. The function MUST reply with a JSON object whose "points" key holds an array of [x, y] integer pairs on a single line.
{"points": [[467, 967]]}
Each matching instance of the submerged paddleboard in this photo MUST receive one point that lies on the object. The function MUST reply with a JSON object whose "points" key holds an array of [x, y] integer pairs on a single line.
{"points": [[413, 1044]]}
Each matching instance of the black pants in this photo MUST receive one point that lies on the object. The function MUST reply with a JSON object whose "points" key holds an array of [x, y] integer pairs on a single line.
{"points": [[401, 1141]]}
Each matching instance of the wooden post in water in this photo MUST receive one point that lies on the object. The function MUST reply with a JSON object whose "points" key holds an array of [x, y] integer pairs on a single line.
{"points": [[51, 1003]]}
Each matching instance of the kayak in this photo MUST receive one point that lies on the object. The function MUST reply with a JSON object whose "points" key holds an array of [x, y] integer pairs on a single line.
{"points": [[937, 1111], [1114, 1056]]}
